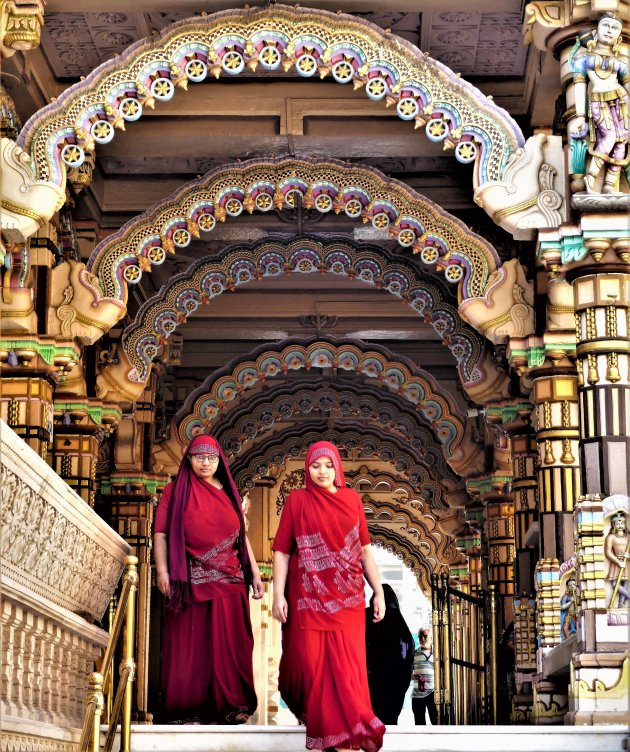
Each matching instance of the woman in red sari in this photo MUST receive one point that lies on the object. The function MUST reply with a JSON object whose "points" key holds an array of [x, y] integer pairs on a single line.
{"points": [[321, 554], [205, 566]]}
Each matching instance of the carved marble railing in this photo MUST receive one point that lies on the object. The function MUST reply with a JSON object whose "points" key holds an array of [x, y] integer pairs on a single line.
{"points": [[59, 564]]}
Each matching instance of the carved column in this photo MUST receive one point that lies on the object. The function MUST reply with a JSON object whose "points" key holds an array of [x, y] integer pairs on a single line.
{"points": [[602, 306], [130, 492], [556, 423]]}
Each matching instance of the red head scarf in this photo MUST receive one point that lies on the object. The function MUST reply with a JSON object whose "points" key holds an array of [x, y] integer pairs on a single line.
{"points": [[324, 449], [177, 563]]}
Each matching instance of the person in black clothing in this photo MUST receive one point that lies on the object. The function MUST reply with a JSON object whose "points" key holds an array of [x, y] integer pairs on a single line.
{"points": [[389, 648]]}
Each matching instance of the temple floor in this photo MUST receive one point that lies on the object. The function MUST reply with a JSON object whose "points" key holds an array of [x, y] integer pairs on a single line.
{"points": [[428, 739]]}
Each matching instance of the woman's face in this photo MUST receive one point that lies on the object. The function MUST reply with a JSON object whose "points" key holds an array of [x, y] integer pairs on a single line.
{"points": [[204, 465], [322, 473]]}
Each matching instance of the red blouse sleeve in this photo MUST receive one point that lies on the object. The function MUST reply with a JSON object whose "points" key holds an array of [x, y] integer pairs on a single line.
{"points": [[160, 524], [285, 536], [364, 535]]}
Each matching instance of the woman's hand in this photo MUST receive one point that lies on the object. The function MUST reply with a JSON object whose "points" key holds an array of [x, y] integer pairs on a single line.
{"points": [[258, 588], [164, 583], [280, 608], [378, 606]]}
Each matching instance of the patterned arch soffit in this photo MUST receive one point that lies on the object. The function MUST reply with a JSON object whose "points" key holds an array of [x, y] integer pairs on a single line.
{"points": [[262, 458], [316, 43], [363, 193], [402, 526], [396, 374], [238, 265], [287, 404]]}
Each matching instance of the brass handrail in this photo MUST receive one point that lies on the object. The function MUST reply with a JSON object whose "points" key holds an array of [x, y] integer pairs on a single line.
{"points": [[126, 610]]}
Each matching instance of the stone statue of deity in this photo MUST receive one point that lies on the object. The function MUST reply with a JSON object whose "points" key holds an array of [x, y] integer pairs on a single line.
{"points": [[617, 551], [602, 81]]}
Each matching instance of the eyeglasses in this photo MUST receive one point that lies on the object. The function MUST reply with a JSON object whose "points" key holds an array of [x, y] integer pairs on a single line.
{"points": [[201, 458]]}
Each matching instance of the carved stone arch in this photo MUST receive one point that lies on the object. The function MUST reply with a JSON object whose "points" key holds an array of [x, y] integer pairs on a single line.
{"points": [[360, 444], [311, 401], [225, 44], [404, 278], [408, 523], [269, 364]]}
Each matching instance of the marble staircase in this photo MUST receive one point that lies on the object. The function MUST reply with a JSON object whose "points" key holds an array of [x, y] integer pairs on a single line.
{"points": [[429, 739]]}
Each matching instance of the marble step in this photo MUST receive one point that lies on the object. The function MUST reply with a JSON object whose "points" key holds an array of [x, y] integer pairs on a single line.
{"points": [[428, 739]]}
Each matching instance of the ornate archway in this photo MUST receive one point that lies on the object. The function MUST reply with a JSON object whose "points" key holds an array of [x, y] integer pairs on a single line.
{"points": [[312, 42], [306, 402], [239, 265], [206, 404]]}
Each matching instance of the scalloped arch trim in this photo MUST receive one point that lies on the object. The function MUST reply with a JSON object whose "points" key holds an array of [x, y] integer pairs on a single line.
{"points": [[311, 42]]}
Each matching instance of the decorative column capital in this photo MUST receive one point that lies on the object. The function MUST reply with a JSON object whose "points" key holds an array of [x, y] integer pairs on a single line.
{"points": [[21, 22]]}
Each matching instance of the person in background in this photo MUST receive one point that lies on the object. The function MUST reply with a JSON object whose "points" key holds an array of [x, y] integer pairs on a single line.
{"points": [[389, 646], [423, 694]]}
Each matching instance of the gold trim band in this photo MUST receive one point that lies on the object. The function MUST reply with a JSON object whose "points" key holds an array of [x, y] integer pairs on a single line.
{"points": [[502, 213], [22, 211], [607, 346]]}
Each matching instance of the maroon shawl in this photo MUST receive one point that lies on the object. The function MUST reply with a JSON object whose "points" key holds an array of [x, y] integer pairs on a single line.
{"points": [[177, 562]]}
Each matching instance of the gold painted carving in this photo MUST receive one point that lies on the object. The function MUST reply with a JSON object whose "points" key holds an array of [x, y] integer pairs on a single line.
{"points": [[26, 203], [21, 22], [530, 194], [77, 306], [508, 294]]}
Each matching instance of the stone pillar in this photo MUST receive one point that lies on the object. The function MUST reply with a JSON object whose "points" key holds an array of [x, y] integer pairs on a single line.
{"points": [[26, 406], [556, 423], [525, 657], [602, 307]]}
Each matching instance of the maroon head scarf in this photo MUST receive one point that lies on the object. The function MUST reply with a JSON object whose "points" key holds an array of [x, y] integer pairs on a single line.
{"points": [[177, 563], [324, 449]]}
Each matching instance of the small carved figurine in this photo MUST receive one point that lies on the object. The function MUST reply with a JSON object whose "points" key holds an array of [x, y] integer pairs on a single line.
{"points": [[602, 73], [617, 551]]}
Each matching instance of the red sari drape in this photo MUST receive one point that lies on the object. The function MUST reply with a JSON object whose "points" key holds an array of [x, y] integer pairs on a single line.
{"points": [[208, 644], [323, 675]]}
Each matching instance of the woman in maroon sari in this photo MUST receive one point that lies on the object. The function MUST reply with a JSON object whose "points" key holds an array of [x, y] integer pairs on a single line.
{"points": [[322, 553], [205, 565]]}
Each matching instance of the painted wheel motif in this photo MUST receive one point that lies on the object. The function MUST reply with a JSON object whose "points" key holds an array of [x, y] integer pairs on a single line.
{"points": [[380, 221], [323, 203], [130, 109], [376, 88], [270, 57], [437, 130], [73, 155], [342, 72], [163, 89], [132, 274], [407, 108], [196, 70], [102, 132], [181, 238], [206, 222], [353, 208], [406, 237], [156, 255], [429, 255], [306, 66], [232, 62], [453, 273], [466, 152], [233, 207], [264, 202]]}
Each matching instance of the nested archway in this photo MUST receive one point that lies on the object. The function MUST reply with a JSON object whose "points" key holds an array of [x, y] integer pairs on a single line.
{"points": [[239, 265], [399, 516], [303, 403], [363, 193], [314, 43], [377, 365]]}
